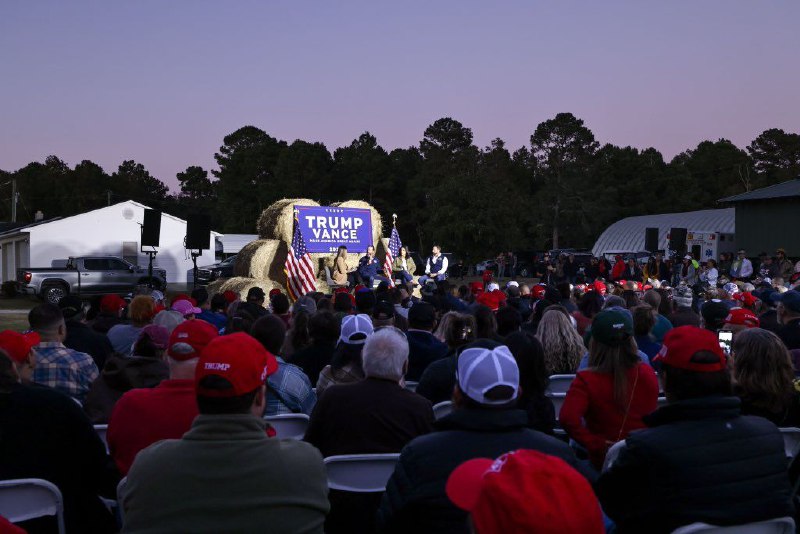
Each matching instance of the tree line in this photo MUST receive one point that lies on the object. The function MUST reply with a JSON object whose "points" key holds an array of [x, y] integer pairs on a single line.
{"points": [[562, 189]]}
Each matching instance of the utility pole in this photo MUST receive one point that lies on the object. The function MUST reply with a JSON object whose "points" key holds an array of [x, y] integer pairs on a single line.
{"points": [[108, 195], [14, 200]]}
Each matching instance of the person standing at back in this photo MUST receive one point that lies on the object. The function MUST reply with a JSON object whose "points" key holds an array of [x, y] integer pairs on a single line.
{"points": [[225, 474]]}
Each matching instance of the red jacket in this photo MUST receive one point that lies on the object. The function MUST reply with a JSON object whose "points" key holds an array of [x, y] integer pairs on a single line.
{"points": [[592, 417], [143, 416], [618, 271]]}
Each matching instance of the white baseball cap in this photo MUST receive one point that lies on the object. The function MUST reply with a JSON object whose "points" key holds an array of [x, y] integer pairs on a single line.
{"points": [[492, 287], [480, 370], [356, 329]]}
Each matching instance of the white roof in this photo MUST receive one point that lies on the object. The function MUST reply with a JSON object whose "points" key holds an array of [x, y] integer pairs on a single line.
{"points": [[628, 233], [233, 243]]}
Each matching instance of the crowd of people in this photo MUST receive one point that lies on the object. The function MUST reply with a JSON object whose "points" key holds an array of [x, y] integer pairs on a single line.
{"points": [[184, 385]]}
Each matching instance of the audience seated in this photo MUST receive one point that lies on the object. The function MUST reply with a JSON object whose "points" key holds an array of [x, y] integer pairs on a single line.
{"points": [[146, 368], [66, 370], [789, 318], [323, 328], [439, 378], [345, 366], [484, 424], [20, 348], [562, 344], [140, 312], [225, 474], [424, 348], [297, 337], [288, 389], [644, 321], [109, 314], [533, 381], [44, 434], [607, 400], [80, 337], [375, 415], [143, 416], [699, 460]]}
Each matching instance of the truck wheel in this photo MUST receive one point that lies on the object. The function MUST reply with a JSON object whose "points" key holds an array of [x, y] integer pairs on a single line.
{"points": [[54, 293]]}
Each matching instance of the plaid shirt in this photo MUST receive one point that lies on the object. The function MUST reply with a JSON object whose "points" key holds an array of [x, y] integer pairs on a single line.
{"points": [[289, 391], [63, 369]]}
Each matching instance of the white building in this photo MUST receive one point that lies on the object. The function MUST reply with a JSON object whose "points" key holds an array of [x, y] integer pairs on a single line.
{"points": [[111, 231]]}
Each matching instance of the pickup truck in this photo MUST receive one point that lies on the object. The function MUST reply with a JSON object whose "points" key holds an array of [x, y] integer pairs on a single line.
{"points": [[87, 275]]}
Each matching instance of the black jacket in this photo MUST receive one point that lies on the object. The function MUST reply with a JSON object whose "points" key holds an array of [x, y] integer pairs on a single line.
{"points": [[790, 334], [423, 349], [684, 317], [700, 460], [436, 383], [415, 499], [44, 434], [313, 359], [82, 338]]}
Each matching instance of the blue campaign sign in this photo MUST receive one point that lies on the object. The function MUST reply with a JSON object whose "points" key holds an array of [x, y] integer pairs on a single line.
{"points": [[326, 228]]}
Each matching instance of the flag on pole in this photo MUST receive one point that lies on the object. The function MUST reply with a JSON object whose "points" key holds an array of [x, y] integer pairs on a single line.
{"points": [[300, 278], [391, 253]]}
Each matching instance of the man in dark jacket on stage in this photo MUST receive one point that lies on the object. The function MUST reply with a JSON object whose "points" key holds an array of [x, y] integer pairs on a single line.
{"points": [[484, 424], [700, 460]]}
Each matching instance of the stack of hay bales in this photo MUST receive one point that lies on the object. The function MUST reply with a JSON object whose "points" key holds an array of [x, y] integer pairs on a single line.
{"points": [[261, 262]]}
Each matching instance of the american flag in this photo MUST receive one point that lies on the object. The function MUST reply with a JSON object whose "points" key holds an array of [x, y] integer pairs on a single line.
{"points": [[391, 252], [299, 268]]}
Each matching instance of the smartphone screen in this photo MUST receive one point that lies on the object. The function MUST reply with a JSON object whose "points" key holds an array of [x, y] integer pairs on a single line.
{"points": [[725, 339]]}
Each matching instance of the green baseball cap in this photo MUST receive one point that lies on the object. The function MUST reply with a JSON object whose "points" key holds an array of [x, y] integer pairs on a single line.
{"points": [[612, 327]]}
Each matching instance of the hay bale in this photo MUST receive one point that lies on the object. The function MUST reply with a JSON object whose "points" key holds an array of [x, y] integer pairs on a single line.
{"points": [[262, 259], [277, 221], [241, 285], [377, 226]]}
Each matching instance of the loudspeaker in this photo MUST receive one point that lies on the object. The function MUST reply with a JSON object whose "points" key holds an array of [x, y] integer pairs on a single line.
{"points": [[677, 240], [198, 230], [651, 239], [151, 228]]}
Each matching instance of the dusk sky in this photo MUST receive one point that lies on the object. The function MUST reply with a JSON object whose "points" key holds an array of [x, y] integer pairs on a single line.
{"points": [[162, 82]]}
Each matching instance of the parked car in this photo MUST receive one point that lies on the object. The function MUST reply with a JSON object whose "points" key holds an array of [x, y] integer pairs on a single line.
{"points": [[88, 275], [484, 265], [640, 256], [209, 273]]}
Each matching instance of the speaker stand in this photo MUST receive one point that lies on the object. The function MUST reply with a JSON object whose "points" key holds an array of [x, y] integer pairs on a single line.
{"points": [[195, 254], [150, 254]]}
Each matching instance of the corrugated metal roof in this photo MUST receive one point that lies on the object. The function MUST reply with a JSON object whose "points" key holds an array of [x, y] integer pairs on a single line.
{"points": [[781, 190], [233, 243], [628, 234]]}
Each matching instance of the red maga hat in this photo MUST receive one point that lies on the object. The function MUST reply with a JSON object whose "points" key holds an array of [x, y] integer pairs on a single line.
{"points": [[744, 317], [239, 359], [17, 345], [682, 343], [189, 339]]}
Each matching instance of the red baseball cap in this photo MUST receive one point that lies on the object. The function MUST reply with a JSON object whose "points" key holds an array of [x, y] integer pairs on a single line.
{"points": [[17, 345], [742, 316], [745, 298], [538, 291], [489, 300], [239, 359], [525, 491], [681, 343], [189, 339], [274, 291], [230, 296], [112, 303], [600, 287], [476, 288]]}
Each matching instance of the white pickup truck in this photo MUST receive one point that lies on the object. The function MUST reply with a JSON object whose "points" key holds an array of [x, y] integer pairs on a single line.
{"points": [[86, 276]]}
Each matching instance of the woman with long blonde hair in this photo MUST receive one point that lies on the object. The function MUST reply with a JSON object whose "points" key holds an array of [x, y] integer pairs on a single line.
{"points": [[563, 346]]}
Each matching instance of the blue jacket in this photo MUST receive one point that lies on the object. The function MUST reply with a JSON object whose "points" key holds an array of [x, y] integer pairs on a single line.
{"points": [[367, 268], [423, 349]]}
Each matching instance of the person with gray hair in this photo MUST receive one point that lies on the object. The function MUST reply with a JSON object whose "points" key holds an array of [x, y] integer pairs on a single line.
{"points": [[375, 415]]}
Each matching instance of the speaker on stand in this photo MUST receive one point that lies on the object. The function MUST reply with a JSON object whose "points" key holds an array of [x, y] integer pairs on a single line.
{"points": [[151, 236], [198, 237]]}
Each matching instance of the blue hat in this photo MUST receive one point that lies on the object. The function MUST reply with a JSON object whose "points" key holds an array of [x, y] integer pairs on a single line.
{"points": [[790, 300]]}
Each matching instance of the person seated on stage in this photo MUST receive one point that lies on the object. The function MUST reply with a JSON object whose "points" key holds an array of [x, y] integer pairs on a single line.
{"points": [[343, 274], [435, 267], [369, 267], [404, 267]]}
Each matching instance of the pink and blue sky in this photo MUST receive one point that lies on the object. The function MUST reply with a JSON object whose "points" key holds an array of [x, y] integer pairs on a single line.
{"points": [[162, 82]]}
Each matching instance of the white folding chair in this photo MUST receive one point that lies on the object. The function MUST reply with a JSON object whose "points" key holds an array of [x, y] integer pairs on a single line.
{"points": [[779, 525], [411, 385], [120, 494], [560, 383], [613, 452], [101, 431], [661, 402], [28, 498], [441, 409], [558, 401], [360, 473], [289, 425], [791, 440]]}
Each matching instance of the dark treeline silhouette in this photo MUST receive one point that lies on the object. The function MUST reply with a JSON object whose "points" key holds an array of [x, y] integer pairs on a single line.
{"points": [[561, 190]]}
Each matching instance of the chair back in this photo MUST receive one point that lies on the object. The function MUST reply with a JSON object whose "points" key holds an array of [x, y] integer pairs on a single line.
{"points": [[441, 409], [791, 440], [28, 498], [779, 525], [360, 473], [411, 385], [101, 431], [558, 401], [613, 452], [120, 494], [289, 425], [560, 383], [661, 402]]}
